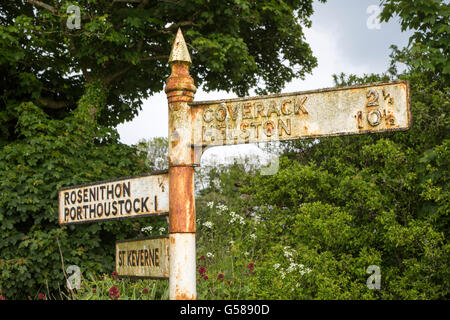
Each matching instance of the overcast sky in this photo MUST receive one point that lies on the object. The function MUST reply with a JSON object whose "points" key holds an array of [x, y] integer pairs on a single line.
{"points": [[344, 37]]}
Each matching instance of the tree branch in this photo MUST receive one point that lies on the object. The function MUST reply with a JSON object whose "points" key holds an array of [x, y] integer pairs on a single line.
{"points": [[119, 73], [155, 58], [44, 5], [175, 26], [53, 104]]}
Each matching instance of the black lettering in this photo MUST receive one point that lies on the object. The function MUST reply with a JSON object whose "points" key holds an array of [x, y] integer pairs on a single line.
{"points": [[126, 189], [73, 197], [128, 258], [107, 211], [134, 205], [118, 191], [100, 212], [85, 195], [157, 257], [103, 192], [146, 263], [79, 196], [85, 208], [152, 256], [144, 205], [110, 192], [66, 213], [79, 217], [121, 203], [92, 196], [128, 208], [72, 216], [114, 205], [92, 210], [66, 198]]}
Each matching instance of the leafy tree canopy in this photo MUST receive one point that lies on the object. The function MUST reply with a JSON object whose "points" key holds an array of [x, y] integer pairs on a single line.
{"points": [[123, 47]]}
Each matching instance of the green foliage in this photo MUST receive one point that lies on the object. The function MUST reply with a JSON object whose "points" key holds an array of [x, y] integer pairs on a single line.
{"points": [[346, 203], [429, 47], [48, 155], [112, 288]]}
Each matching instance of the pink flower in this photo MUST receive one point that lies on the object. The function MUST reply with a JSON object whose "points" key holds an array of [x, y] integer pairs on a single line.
{"points": [[145, 291], [42, 296], [220, 276], [2, 297], [114, 274], [205, 277]]}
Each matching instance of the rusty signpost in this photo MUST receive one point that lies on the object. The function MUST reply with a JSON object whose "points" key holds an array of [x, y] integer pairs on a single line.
{"points": [[195, 126]]}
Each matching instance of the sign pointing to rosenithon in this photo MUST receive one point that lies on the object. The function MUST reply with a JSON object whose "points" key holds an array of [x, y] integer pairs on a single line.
{"points": [[131, 197]]}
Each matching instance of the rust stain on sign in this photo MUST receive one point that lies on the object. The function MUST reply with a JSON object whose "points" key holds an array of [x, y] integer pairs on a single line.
{"points": [[336, 111], [143, 258], [129, 197]]}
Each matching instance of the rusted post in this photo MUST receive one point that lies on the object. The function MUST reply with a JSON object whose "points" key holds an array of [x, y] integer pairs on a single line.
{"points": [[180, 90]]}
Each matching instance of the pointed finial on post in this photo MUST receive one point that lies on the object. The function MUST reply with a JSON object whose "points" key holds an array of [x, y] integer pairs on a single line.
{"points": [[180, 51], [180, 85]]}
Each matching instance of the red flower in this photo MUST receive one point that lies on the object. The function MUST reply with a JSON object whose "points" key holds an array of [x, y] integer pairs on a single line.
{"points": [[114, 293], [145, 291], [205, 277], [202, 270], [94, 291], [202, 258], [42, 296], [228, 281], [220, 276], [251, 265], [2, 297], [114, 274]]}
